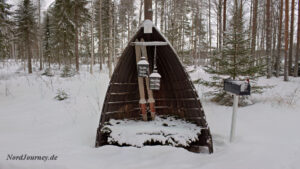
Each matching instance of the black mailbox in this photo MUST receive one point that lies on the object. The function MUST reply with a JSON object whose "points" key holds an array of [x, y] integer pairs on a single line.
{"points": [[241, 88]]}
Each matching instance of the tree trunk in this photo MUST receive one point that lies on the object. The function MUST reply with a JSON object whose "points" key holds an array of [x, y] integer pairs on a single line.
{"points": [[156, 11], [224, 20], [278, 58], [39, 36], [148, 13], [110, 40], [209, 26], [195, 39], [100, 35], [192, 49], [220, 24], [128, 27], [29, 55], [298, 44], [254, 28], [286, 36], [268, 38], [114, 35], [291, 39], [275, 19], [162, 15], [250, 21], [76, 40], [92, 39], [141, 10]]}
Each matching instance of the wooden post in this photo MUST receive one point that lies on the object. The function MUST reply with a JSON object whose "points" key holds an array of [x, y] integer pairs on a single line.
{"points": [[148, 12], [151, 100], [234, 114], [141, 85]]}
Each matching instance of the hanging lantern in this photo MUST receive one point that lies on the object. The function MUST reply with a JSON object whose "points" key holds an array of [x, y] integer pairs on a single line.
{"points": [[154, 80], [143, 67]]}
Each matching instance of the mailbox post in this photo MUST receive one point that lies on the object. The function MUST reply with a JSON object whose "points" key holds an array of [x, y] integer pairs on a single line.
{"points": [[236, 88]]}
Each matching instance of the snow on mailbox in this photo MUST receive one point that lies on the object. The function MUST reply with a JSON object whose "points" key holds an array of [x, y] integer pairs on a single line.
{"points": [[240, 88]]}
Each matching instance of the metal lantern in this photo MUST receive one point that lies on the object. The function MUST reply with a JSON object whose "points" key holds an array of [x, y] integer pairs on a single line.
{"points": [[143, 67], [154, 78]]}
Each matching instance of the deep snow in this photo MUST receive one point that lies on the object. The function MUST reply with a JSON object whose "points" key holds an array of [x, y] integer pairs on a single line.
{"points": [[32, 122], [171, 131]]}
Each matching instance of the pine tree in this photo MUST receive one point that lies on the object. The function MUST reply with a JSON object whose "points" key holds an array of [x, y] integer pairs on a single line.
{"points": [[5, 24], [63, 28], [99, 27], [286, 40], [86, 43], [236, 62], [297, 48], [26, 28], [80, 16], [268, 38], [290, 64], [47, 39], [198, 34], [278, 60]]}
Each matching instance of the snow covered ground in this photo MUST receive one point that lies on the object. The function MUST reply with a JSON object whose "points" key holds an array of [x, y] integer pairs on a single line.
{"points": [[32, 122]]}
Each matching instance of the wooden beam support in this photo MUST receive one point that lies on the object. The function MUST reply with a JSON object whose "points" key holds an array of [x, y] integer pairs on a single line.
{"points": [[141, 86], [151, 100]]}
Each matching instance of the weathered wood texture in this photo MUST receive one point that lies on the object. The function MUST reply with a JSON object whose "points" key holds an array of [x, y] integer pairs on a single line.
{"points": [[177, 96]]}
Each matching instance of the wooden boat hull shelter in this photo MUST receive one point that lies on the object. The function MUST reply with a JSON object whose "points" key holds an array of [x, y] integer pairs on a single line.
{"points": [[177, 95]]}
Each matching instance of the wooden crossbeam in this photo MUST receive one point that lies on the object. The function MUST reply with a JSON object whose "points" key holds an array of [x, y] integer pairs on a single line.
{"points": [[154, 43]]}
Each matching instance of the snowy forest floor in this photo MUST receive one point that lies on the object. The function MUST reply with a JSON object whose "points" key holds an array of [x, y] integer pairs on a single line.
{"points": [[32, 122]]}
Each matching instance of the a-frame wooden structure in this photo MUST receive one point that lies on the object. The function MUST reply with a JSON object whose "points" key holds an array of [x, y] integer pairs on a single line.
{"points": [[176, 97]]}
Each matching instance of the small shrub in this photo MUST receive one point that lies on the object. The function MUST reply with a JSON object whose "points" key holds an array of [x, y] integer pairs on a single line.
{"points": [[48, 72], [61, 95], [67, 72]]}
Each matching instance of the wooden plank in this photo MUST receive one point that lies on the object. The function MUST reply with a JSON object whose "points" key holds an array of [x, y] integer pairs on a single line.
{"points": [[122, 102], [154, 43], [141, 85], [115, 112], [122, 93], [124, 84], [175, 99], [162, 107], [151, 100]]}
